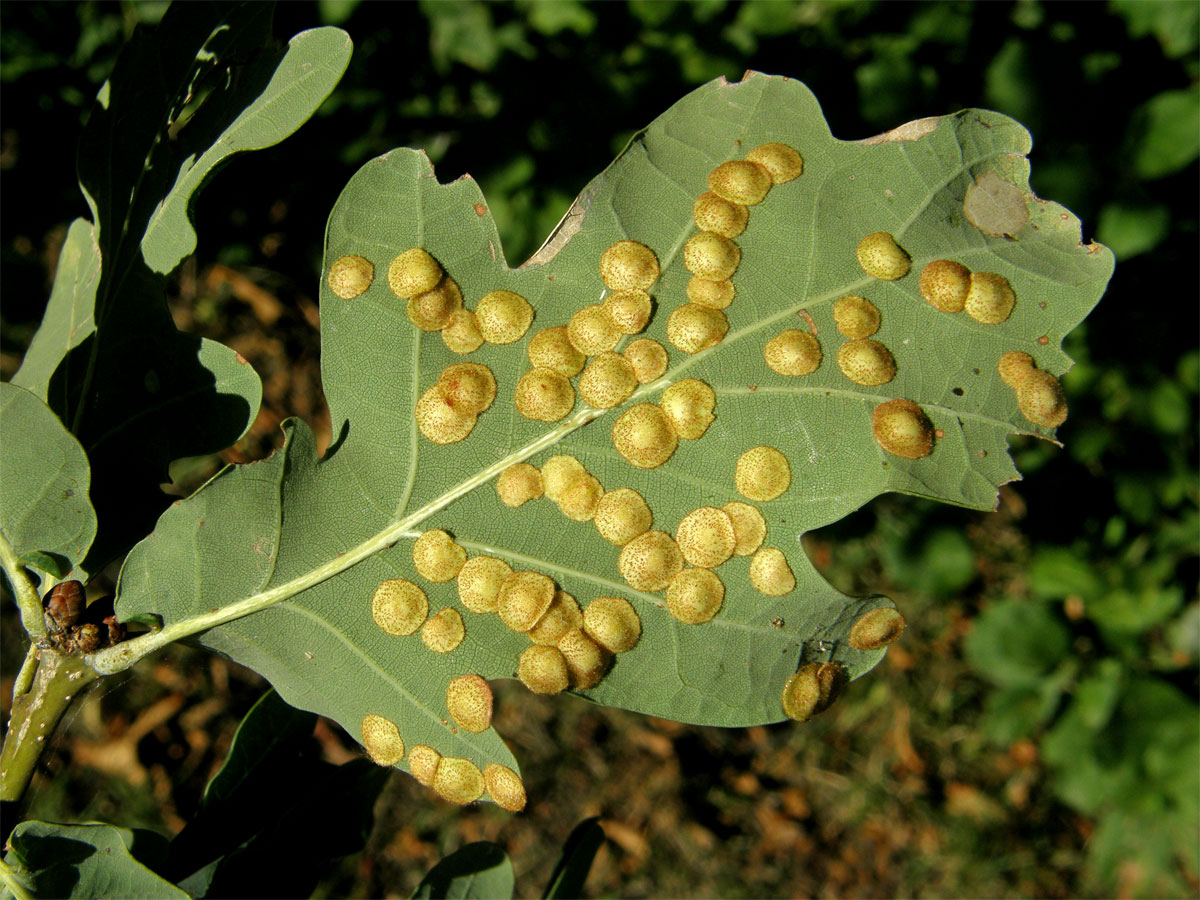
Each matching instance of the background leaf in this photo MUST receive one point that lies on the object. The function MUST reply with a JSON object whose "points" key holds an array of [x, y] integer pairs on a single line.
{"points": [[478, 871], [583, 843]]}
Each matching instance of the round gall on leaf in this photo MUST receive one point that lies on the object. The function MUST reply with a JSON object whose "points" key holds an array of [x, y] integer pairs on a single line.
{"points": [[802, 693], [586, 660], [559, 473], [650, 561], [413, 272], [831, 678], [561, 617], [543, 669], [628, 265], [762, 474], [505, 787], [692, 327], [628, 310], [1014, 366], [350, 276], [469, 701], [881, 257], [770, 572], [437, 557], [399, 606], [461, 334], [782, 162], [648, 358], [695, 596], [579, 501], [431, 310], [423, 763], [550, 348], [902, 429], [689, 405], [591, 331], [1040, 399], [518, 484], [524, 599], [444, 632], [866, 362], [877, 629], [381, 738], [749, 527], [544, 395], [644, 436], [503, 317], [741, 182], [705, 537], [716, 214], [990, 299], [710, 256], [793, 352], [468, 387], [440, 422], [613, 623], [622, 515], [607, 381], [856, 317], [944, 285], [713, 294], [458, 780], [479, 583]]}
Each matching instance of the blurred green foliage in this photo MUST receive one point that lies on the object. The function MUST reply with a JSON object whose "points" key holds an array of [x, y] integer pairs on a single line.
{"points": [[1086, 629]]}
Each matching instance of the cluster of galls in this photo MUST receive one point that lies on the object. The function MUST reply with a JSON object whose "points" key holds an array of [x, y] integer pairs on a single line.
{"points": [[73, 626]]}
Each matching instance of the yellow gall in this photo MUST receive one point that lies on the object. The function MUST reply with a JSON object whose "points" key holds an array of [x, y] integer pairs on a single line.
{"points": [[579, 501], [944, 285], [518, 484], [881, 257], [505, 787], [1040, 399], [644, 436], [423, 762], [559, 473], [866, 362], [740, 181], [458, 780], [544, 395], [762, 473], [705, 537], [716, 214], [591, 331], [381, 738], [550, 348], [855, 316], [902, 429], [628, 310], [437, 557], [749, 527], [468, 387], [802, 693], [770, 573], [469, 701], [689, 406], [710, 256], [695, 596], [398, 606], [524, 598], [444, 631], [692, 327], [628, 265], [432, 309], [622, 515], [831, 678], [990, 299], [350, 276], [543, 669], [713, 294], [461, 334], [650, 561], [782, 162], [479, 583], [586, 660], [613, 623], [877, 629], [1014, 366], [648, 358], [607, 381], [563, 615], [793, 352], [440, 422], [503, 317], [413, 272]]}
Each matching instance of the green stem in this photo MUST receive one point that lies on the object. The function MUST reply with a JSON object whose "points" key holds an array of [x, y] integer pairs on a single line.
{"points": [[25, 676], [35, 715], [28, 600], [12, 882]]}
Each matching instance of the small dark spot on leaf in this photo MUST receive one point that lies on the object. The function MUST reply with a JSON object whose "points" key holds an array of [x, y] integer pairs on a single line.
{"points": [[1042, 304], [480, 209], [753, 387], [938, 433], [957, 392], [240, 358], [982, 454], [777, 622], [976, 371], [68, 493], [1044, 340]]}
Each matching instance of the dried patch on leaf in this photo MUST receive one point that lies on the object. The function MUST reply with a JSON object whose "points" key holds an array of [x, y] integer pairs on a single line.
{"points": [[996, 206]]}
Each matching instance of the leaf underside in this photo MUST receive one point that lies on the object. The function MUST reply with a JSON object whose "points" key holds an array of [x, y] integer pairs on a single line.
{"points": [[294, 519]]}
